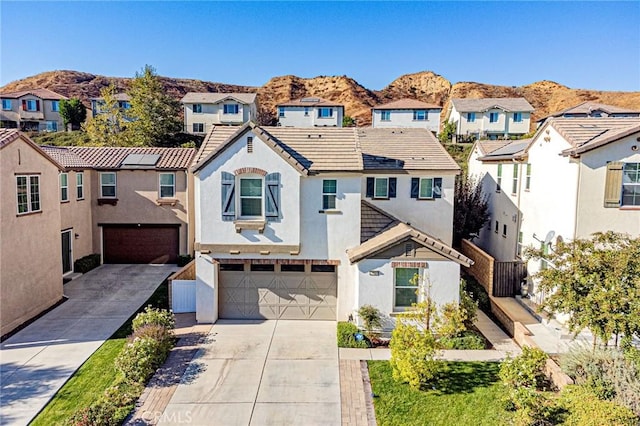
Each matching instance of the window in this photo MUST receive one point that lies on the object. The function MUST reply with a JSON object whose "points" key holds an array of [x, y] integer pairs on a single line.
{"points": [[259, 267], [306, 111], [426, 188], [291, 268], [167, 185], [385, 115], [280, 111], [79, 185], [55, 106], [631, 184], [52, 126], [471, 117], [499, 178], [325, 112], [514, 184], [329, 189], [527, 180], [381, 188], [250, 197], [124, 105], [238, 267], [230, 109], [497, 227], [197, 108], [64, 187], [323, 268], [31, 105], [519, 246], [419, 115], [28, 192], [406, 287], [6, 104], [198, 127], [504, 230], [493, 117], [517, 117], [107, 185]]}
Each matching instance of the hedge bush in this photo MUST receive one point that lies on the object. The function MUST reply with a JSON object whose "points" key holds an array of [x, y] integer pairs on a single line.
{"points": [[139, 359], [346, 336], [87, 263], [467, 340], [413, 350], [584, 408], [151, 315]]}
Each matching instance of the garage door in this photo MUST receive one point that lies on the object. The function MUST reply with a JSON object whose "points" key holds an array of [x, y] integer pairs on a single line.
{"points": [[255, 291], [140, 244]]}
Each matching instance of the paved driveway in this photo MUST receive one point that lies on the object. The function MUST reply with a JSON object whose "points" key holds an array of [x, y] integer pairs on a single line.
{"points": [[261, 373], [38, 360]]}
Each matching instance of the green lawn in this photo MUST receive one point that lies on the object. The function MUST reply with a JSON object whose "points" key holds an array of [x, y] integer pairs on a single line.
{"points": [[97, 373], [469, 393]]}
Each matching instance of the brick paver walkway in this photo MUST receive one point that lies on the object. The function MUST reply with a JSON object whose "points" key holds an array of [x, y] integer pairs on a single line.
{"points": [[352, 394]]}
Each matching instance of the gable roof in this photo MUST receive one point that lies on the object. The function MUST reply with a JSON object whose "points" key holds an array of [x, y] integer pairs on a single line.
{"points": [[113, 157], [480, 105], [585, 134], [513, 150], [487, 145], [214, 98], [373, 221], [66, 158], [310, 101], [407, 103], [40, 93], [7, 136], [587, 107]]}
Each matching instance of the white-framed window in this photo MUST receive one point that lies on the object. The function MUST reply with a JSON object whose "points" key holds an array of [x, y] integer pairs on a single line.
{"points": [[499, 178], [280, 111], [325, 112], [32, 105], [504, 230], [197, 108], [514, 183], [306, 111], [631, 184], [493, 117], [385, 115], [64, 187], [108, 185], [251, 193], [381, 188], [230, 109], [198, 127], [52, 126], [79, 185], [329, 191], [405, 287], [519, 246], [419, 115], [527, 180], [6, 104], [425, 191], [167, 185], [471, 117], [517, 117], [28, 193], [55, 106]]}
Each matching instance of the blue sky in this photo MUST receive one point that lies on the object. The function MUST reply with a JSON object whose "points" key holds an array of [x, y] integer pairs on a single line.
{"points": [[590, 45]]}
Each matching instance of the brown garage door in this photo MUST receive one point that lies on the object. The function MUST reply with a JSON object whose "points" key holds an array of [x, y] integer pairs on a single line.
{"points": [[277, 291], [140, 244]]}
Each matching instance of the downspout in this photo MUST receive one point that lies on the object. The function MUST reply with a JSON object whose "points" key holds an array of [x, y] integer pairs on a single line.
{"points": [[519, 214]]}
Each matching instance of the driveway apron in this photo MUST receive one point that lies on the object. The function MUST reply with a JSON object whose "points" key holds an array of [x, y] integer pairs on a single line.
{"points": [[38, 360], [261, 373]]}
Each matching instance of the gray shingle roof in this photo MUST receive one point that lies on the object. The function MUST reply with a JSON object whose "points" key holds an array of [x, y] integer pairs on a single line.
{"points": [[478, 105], [407, 104], [214, 98], [310, 102], [373, 221]]}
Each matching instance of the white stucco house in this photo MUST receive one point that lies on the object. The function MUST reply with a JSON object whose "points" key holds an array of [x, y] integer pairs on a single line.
{"points": [[407, 113], [310, 112], [305, 223], [576, 176], [594, 110], [203, 110], [490, 118]]}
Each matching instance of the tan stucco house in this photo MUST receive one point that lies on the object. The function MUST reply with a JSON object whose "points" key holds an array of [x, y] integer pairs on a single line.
{"points": [[32, 110]]}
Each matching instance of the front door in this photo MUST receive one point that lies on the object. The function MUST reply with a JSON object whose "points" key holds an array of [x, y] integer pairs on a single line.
{"points": [[67, 264]]}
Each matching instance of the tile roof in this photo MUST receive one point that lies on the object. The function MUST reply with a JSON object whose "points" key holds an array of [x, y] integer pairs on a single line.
{"points": [[66, 158], [587, 133], [407, 103], [7, 136], [510, 151], [476, 105], [588, 107], [487, 146], [373, 221], [214, 98], [310, 101], [112, 157], [40, 93], [216, 137]]}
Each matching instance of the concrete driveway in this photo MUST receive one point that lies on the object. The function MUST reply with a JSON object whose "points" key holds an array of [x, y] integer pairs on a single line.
{"points": [[261, 373], [38, 360]]}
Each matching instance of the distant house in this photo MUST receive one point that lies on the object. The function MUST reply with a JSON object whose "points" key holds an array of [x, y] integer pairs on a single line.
{"points": [[407, 113], [97, 104], [202, 110], [36, 110], [594, 110], [490, 118], [310, 112]]}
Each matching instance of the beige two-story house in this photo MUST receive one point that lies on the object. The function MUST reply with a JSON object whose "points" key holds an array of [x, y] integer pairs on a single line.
{"points": [[203, 110], [35, 110], [490, 118]]}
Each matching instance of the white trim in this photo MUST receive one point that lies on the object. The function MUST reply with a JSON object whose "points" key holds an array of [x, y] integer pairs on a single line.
{"points": [[160, 185], [28, 193], [397, 308], [115, 185], [375, 186], [239, 196], [420, 197], [65, 187], [80, 185]]}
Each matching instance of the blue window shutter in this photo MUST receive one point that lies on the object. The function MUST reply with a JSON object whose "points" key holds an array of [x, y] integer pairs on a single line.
{"points": [[272, 183], [370, 184], [415, 187], [228, 196], [437, 187], [393, 183]]}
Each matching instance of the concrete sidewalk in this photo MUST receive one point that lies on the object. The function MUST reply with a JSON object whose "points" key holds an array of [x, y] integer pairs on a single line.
{"points": [[38, 360]]}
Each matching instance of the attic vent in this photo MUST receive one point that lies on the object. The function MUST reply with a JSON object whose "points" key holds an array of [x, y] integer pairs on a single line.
{"points": [[140, 160], [249, 144], [310, 100], [408, 249]]}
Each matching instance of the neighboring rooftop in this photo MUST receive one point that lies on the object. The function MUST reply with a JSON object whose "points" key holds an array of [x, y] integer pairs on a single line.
{"points": [[479, 105], [117, 97], [585, 134], [214, 98], [65, 157], [407, 104], [509, 151], [373, 221], [40, 93], [488, 146], [7, 136], [114, 157], [594, 109], [311, 101]]}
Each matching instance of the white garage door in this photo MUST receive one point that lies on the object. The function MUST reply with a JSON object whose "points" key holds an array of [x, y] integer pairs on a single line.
{"points": [[257, 291]]}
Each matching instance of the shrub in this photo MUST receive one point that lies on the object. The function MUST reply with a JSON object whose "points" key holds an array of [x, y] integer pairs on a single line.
{"points": [[451, 320], [586, 409], [476, 292], [346, 336], [371, 317], [87, 263], [160, 317], [183, 259], [157, 332], [412, 354], [139, 359], [468, 340], [525, 370], [101, 412]]}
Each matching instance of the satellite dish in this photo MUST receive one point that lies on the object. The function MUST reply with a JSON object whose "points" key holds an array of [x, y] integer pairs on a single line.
{"points": [[549, 237]]}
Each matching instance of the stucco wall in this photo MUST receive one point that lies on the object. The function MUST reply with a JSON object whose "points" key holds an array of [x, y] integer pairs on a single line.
{"points": [[43, 115], [404, 118], [504, 125], [212, 114], [30, 247], [77, 215], [294, 117]]}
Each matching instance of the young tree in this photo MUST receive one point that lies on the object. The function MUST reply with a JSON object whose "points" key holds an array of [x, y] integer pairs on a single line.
{"points": [[595, 281], [73, 113], [448, 130], [105, 129], [156, 115], [470, 209], [348, 121]]}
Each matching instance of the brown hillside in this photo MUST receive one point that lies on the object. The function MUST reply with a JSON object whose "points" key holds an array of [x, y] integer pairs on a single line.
{"points": [[427, 86]]}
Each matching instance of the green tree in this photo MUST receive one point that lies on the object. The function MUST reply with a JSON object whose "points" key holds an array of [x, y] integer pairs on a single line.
{"points": [[448, 131], [348, 121], [155, 114], [596, 281], [73, 113], [470, 209], [106, 128]]}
